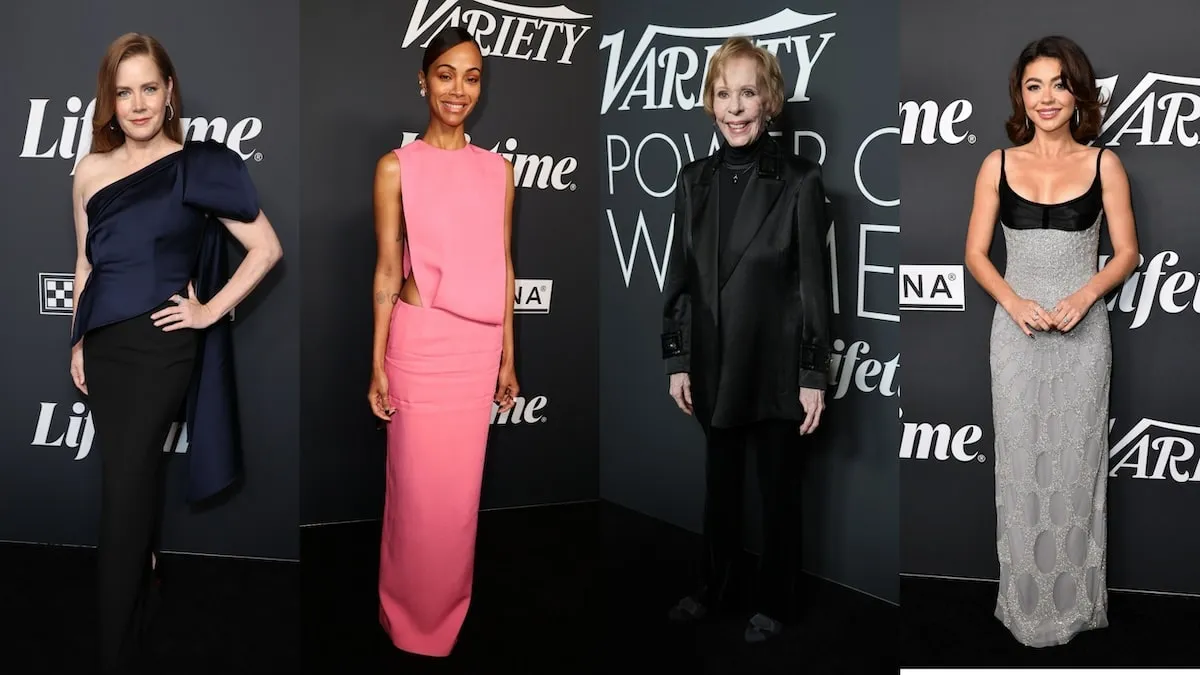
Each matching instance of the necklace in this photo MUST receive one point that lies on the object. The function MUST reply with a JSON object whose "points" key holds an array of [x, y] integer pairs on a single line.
{"points": [[739, 173]]}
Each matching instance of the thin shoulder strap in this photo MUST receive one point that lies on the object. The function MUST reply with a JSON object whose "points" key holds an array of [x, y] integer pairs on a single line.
{"points": [[1098, 156]]}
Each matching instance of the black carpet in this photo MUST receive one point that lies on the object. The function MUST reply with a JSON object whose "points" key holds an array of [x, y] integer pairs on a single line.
{"points": [[950, 623], [219, 615], [575, 590]]}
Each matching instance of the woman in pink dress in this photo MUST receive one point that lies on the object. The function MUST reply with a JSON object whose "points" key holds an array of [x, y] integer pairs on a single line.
{"points": [[443, 348]]}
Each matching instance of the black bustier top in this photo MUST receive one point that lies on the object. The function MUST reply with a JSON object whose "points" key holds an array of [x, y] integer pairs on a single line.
{"points": [[1074, 215]]}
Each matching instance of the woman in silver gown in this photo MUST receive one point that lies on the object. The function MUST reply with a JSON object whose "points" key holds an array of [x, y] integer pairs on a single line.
{"points": [[1050, 352]]}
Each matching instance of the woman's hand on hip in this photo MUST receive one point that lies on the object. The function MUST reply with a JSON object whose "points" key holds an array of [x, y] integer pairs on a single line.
{"points": [[377, 395], [813, 402], [77, 368], [187, 313], [507, 388], [1030, 315], [681, 390]]}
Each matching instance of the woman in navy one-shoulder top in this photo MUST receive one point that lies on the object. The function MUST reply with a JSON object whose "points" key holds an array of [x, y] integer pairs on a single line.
{"points": [[150, 338]]}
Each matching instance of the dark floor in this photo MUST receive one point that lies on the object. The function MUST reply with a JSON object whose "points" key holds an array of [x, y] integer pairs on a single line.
{"points": [[219, 615], [950, 623], [551, 596]]}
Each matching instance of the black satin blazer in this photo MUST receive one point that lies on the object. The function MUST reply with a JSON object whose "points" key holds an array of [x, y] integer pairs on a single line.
{"points": [[751, 324]]}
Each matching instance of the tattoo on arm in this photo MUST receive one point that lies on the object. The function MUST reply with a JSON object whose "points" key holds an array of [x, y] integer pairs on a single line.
{"points": [[381, 297]]}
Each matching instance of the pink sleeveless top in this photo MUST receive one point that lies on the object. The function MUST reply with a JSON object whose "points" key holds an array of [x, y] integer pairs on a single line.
{"points": [[453, 203]]}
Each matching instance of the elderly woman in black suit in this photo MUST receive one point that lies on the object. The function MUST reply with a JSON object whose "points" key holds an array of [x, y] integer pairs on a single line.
{"points": [[746, 329]]}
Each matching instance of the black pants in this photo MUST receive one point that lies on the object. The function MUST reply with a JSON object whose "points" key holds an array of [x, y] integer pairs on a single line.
{"points": [[778, 449], [137, 377]]}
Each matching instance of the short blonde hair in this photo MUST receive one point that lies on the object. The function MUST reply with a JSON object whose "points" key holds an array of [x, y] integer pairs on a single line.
{"points": [[770, 77]]}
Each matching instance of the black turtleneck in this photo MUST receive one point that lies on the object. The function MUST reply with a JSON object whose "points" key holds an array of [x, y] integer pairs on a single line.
{"points": [[739, 163]]}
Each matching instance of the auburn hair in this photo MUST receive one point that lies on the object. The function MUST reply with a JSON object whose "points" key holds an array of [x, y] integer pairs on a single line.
{"points": [[106, 132]]}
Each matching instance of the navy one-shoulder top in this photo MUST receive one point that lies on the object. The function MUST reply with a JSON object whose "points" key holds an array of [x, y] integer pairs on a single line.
{"points": [[149, 234]]}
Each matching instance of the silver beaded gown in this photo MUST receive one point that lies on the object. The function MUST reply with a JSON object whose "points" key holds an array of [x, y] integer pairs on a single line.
{"points": [[1050, 412]]}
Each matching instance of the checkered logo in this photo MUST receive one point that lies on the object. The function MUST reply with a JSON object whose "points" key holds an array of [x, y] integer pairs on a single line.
{"points": [[58, 293]]}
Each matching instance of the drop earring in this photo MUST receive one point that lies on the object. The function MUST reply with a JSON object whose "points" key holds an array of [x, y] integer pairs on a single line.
{"points": [[1077, 117]]}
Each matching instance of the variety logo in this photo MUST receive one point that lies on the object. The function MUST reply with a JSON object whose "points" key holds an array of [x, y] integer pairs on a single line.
{"points": [[57, 293], [1155, 450], [74, 141], [542, 172], [78, 431], [850, 365], [1177, 98], [511, 31], [930, 123], [1150, 450], [533, 296], [1152, 285], [665, 73], [1160, 110], [937, 288], [524, 411], [941, 442]]}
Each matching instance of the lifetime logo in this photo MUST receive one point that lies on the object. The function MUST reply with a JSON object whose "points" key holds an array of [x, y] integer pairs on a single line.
{"points": [[80, 431], [932, 288], [930, 123], [941, 442], [524, 411]]}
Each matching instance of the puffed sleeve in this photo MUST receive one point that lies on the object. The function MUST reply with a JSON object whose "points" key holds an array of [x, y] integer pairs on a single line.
{"points": [[677, 300], [216, 180], [817, 315]]}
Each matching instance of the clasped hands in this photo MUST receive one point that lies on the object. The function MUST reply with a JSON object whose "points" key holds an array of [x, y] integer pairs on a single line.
{"points": [[1067, 314], [811, 400]]}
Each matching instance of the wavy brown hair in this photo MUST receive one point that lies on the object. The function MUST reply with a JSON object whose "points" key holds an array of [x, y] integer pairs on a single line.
{"points": [[106, 133], [1078, 77], [770, 77]]}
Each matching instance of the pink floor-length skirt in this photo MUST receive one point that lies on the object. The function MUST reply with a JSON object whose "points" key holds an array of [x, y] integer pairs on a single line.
{"points": [[441, 373]]}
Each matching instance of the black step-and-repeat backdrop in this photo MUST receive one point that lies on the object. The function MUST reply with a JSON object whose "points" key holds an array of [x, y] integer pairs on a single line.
{"points": [[239, 83], [360, 100], [838, 60], [952, 114]]}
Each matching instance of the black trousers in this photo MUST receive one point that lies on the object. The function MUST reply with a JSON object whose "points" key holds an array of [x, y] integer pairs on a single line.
{"points": [[778, 448], [137, 377]]}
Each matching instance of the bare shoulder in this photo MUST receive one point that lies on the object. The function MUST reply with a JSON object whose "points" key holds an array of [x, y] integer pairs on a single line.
{"points": [[94, 171], [989, 168], [388, 165], [91, 166], [1110, 162]]}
